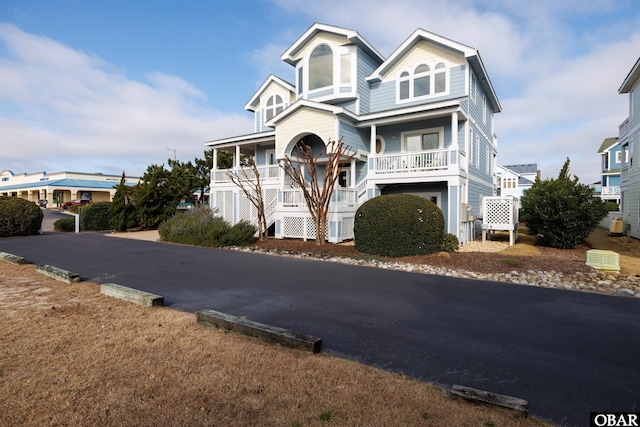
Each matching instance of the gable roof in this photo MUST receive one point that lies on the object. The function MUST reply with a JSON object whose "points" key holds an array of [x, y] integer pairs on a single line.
{"points": [[631, 79], [305, 103], [469, 53], [250, 105], [607, 144], [526, 168], [353, 36]]}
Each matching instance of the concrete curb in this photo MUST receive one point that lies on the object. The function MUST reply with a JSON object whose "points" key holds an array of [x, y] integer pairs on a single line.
{"points": [[14, 259], [58, 273], [270, 334], [135, 296]]}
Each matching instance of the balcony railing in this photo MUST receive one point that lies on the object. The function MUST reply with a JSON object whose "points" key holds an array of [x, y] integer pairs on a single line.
{"points": [[623, 129], [341, 197], [610, 191], [271, 172], [411, 162]]}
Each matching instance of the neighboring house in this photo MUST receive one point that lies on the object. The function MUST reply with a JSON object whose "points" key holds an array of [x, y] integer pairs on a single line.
{"points": [[60, 187], [629, 140], [512, 180], [611, 158], [418, 122]]}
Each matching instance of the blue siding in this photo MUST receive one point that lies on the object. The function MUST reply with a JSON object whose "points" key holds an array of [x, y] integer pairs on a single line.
{"points": [[476, 192], [357, 139], [383, 95], [393, 134], [365, 67]]}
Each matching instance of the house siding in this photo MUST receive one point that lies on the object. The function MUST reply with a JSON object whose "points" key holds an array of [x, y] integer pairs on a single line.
{"points": [[321, 123], [355, 138], [366, 66]]}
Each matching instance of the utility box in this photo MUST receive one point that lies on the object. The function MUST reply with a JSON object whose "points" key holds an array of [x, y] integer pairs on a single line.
{"points": [[617, 226], [500, 213]]}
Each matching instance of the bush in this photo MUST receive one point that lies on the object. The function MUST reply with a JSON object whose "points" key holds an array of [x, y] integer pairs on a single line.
{"points": [[65, 224], [612, 206], [450, 243], [201, 227], [95, 217], [19, 217], [561, 212], [398, 225]]}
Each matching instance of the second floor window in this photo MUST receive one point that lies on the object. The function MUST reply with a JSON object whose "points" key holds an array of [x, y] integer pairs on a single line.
{"points": [[321, 67], [423, 82], [274, 106]]}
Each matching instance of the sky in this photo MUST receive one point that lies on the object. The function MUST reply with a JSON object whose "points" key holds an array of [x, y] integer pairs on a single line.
{"points": [[118, 85]]}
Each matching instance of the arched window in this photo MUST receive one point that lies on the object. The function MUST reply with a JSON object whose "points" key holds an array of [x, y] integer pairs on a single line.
{"points": [[421, 81], [274, 106], [321, 67], [404, 85]]}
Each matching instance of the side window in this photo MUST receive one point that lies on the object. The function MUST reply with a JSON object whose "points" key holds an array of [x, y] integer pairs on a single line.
{"points": [[421, 81], [440, 79], [404, 85], [472, 86], [270, 156]]}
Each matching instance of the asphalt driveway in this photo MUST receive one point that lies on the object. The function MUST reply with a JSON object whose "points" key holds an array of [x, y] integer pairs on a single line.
{"points": [[567, 353]]}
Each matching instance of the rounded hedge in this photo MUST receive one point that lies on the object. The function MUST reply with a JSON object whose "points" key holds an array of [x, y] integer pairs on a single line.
{"points": [[95, 216], [65, 224], [19, 217], [399, 225]]}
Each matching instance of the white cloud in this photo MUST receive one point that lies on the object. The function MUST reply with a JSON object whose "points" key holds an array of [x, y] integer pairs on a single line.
{"points": [[556, 66], [72, 111]]}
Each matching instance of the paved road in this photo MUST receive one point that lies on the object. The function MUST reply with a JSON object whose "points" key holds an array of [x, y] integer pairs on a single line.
{"points": [[567, 353]]}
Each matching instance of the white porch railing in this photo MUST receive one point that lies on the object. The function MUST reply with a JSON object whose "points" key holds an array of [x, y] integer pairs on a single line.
{"points": [[271, 172], [341, 197], [610, 191], [411, 162]]}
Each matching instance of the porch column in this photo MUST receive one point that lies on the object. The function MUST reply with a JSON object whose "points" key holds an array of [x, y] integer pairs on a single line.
{"points": [[237, 157], [372, 142], [214, 167], [454, 130], [353, 173]]}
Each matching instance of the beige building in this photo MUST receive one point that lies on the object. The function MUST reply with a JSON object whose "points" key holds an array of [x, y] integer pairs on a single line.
{"points": [[57, 188]]}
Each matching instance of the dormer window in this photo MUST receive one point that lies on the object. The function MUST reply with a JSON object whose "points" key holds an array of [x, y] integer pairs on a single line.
{"points": [[321, 67], [423, 82], [275, 105]]}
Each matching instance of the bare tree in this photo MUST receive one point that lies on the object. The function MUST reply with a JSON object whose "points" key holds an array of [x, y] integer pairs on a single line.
{"points": [[251, 185], [317, 192]]}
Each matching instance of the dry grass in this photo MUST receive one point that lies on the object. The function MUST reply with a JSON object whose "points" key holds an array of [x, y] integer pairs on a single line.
{"points": [[71, 356]]}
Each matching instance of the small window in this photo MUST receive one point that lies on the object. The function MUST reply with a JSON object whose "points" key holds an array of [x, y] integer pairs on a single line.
{"points": [[345, 69], [321, 67], [300, 80], [404, 85], [440, 79], [379, 145], [472, 85], [484, 109]]}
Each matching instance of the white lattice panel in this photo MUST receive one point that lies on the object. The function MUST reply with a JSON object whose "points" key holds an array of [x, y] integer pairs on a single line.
{"points": [[244, 208], [311, 229], [293, 227], [227, 211], [498, 211], [347, 228]]}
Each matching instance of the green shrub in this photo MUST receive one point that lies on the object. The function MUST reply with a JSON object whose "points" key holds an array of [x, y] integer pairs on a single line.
{"points": [[95, 217], [201, 228], [612, 207], [19, 217], [450, 243], [398, 225], [561, 212], [65, 224]]}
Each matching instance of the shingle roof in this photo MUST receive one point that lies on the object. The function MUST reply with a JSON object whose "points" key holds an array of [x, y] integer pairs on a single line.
{"points": [[527, 168], [607, 143]]}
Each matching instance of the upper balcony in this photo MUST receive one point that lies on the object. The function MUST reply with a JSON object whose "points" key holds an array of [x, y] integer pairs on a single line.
{"points": [[623, 129], [270, 173], [417, 164]]}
